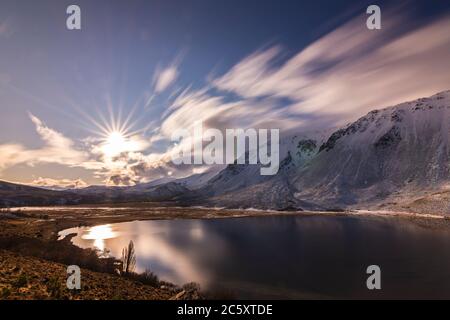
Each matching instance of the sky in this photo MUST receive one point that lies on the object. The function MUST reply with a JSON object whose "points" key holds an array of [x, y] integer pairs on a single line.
{"points": [[99, 105]]}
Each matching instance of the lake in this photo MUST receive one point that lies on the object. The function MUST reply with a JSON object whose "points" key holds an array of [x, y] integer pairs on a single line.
{"points": [[286, 256]]}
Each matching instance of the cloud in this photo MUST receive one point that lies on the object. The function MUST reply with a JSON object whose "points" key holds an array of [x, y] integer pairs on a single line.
{"points": [[57, 149], [58, 183], [52, 138], [164, 78], [335, 79], [116, 161], [120, 180], [350, 70]]}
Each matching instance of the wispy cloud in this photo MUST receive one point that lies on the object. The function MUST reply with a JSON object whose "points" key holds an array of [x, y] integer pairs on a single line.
{"points": [[165, 77], [338, 78], [350, 70], [57, 149]]}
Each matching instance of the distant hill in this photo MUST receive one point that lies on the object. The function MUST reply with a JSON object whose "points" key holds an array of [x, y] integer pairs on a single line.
{"points": [[14, 195]]}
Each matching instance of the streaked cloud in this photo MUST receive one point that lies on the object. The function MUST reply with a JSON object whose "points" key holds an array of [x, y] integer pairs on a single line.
{"points": [[349, 71], [165, 77], [336, 79]]}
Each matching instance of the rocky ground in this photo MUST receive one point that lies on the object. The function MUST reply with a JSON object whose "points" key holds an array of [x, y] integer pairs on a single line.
{"points": [[24, 277], [435, 202]]}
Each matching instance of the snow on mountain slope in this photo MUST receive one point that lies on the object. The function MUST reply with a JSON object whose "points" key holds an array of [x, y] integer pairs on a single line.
{"points": [[199, 180], [151, 184], [399, 149], [243, 185], [388, 153]]}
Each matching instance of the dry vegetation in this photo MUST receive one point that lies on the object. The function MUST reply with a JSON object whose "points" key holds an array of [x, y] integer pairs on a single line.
{"points": [[25, 277]]}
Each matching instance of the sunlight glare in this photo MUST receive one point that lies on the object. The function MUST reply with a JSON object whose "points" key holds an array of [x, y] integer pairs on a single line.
{"points": [[99, 234], [115, 144]]}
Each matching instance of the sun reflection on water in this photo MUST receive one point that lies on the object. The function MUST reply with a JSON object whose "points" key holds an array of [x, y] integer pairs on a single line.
{"points": [[99, 234]]}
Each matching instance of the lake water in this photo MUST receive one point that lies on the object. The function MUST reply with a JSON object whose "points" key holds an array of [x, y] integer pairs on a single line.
{"points": [[286, 256]]}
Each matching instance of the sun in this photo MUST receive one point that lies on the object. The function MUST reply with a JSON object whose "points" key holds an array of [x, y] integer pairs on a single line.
{"points": [[117, 136], [115, 144], [116, 140]]}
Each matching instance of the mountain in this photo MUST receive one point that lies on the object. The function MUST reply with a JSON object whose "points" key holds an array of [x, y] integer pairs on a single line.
{"points": [[152, 184], [389, 155], [14, 195], [199, 180], [191, 182], [137, 193], [397, 157], [242, 186]]}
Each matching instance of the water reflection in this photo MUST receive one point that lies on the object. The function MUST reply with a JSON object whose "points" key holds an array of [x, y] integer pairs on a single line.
{"points": [[158, 248], [285, 257], [99, 234]]}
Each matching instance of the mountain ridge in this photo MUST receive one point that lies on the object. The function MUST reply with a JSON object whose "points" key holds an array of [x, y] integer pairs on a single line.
{"points": [[384, 155]]}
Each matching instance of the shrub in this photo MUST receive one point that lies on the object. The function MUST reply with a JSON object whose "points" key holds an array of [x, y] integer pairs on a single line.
{"points": [[21, 281], [54, 288], [191, 287], [128, 258], [147, 278], [5, 293]]}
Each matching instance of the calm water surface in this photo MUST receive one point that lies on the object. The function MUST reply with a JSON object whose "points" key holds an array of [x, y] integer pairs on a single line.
{"points": [[286, 256]]}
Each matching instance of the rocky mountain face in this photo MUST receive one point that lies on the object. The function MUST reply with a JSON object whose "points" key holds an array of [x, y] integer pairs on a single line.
{"points": [[398, 150], [242, 186]]}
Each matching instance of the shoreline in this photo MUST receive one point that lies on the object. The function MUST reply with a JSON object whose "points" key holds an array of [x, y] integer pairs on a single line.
{"points": [[88, 215], [39, 227]]}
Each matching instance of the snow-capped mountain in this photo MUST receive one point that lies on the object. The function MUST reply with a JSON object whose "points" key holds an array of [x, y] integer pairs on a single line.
{"points": [[387, 156], [404, 148], [243, 185], [398, 150]]}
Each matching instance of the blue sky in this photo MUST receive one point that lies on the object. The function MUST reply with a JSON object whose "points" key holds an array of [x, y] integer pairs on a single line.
{"points": [[165, 64]]}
